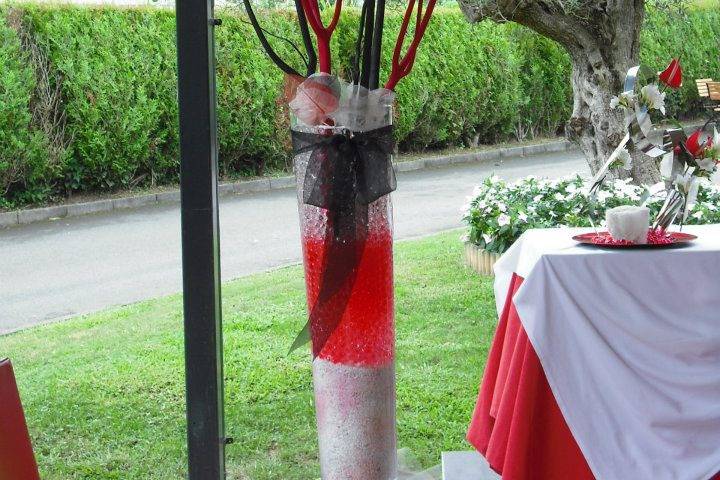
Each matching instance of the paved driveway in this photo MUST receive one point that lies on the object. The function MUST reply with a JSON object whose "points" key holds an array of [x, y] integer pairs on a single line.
{"points": [[53, 270]]}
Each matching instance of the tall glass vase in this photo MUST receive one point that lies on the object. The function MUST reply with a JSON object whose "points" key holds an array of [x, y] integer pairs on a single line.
{"points": [[347, 253]]}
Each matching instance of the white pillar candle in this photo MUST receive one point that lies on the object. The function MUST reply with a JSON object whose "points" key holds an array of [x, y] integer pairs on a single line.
{"points": [[628, 223]]}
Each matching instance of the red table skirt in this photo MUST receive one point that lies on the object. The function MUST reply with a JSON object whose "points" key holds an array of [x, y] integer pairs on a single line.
{"points": [[17, 461], [517, 424]]}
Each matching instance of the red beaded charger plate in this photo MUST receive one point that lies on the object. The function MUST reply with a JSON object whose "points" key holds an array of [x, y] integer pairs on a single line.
{"points": [[605, 240]]}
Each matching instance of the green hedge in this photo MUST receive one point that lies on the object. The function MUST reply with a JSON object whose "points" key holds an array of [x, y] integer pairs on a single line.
{"points": [[23, 169], [695, 41], [116, 72]]}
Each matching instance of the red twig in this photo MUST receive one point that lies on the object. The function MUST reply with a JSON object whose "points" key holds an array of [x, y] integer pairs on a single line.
{"points": [[323, 33], [402, 66]]}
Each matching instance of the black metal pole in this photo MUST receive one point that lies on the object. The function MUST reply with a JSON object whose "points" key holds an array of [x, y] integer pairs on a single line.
{"points": [[200, 240]]}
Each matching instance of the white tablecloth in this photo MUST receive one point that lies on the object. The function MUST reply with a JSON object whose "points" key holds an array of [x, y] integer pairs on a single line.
{"points": [[630, 344]]}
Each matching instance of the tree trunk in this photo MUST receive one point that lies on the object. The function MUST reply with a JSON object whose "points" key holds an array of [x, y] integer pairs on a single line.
{"points": [[603, 41], [598, 74]]}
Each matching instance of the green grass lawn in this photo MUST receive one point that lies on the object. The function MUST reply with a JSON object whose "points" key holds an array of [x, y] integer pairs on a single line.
{"points": [[104, 393]]}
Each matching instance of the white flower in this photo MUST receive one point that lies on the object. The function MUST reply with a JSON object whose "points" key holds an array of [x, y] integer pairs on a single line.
{"points": [[502, 207], [684, 182], [623, 160], [624, 100], [503, 220], [559, 197], [698, 214], [537, 198], [707, 164], [486, 238], [654, 98], [522, 217], [688, 185], [494, 179]]}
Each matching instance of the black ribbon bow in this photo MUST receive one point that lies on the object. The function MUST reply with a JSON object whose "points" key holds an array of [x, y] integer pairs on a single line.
{"points": [[345, 173]]}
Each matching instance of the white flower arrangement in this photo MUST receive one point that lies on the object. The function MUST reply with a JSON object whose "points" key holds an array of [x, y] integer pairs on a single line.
{"points": [[624, 100], [650, 97], [623, 160], [540, 203]]}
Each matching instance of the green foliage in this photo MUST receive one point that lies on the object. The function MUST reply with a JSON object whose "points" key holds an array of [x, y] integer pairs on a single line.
{"points": [[499, 212], [22, 169], [104, 393], [464, 86], [117, 72], [695, 39], [472, 83], [545, 100]]}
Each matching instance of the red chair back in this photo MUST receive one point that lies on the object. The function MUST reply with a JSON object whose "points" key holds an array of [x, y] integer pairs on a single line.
{"points": [[17, 461]]}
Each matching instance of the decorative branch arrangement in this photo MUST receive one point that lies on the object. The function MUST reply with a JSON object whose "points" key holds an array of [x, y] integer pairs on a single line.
{"points": [[343, 142], [368, 43]]}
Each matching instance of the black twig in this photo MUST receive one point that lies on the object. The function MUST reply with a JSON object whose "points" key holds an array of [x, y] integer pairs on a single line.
{"points": [[307, 40], [260, 32], [368, 20], [358, 46], [287, 40], [377, 45]]}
